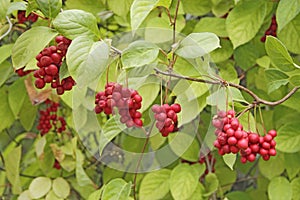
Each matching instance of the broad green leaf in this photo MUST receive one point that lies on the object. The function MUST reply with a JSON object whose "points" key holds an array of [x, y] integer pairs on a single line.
{"points": [[295, 80], [245, 20], [286, 11], [12, 165], [221, 7], [211, 184], [114, 6], [280, 188], [296, 188], [198, 44], [278, 54], [223, 53], [86, 59], [265, 166], [61, 187], [276, 79], [81, 176], [197, 195], [292, 164], [29, 44], [16, 96], [75, 23], [237, 195], [155, 185], [110, 130], [5, 71], [290, 35], [213, 25], [288, 138], [16, 6], [97, 194], [185, 146], [5, 51], [39, 187], [4, 4], [50, 8], [139, 53], [25, 195], [264, 62], [92, 6], [226, 177], [6, 114], [183, 182], [52, 196], [149, 92], [229, 160], [117, 189], [196, 8], [139, 10], [164, 3], [28, 114]]}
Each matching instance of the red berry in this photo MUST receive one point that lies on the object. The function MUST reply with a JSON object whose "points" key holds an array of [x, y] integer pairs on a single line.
{"points": [[253, 138], [232, 140], [242, 143], [39, 83], [176, 107], [268, 138], [45, 61], [272, 152], [273, 133], [251, 157]]}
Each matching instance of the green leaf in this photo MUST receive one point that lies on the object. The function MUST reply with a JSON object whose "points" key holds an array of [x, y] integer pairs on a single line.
{"points": [[278, 54], [164, 3], [75, 23], [290, 35], [4, 4], [295, 80], [265, 167], [139, 10], [229, 160], [40, 146], [292, 164], [197, 44], [6, 114], [223, 53], [16, 6], [61, 187], [5, 71], [29, 44], [25, 195], [97, 194], [245, 20], [183, 181], [81, 176], [288, 138], [197, 195], [114, 5], [226, 177], [296, 188], [52, 196], [264, 62], [92, 6], [5, 51], [39, 187], [286, 11], [28, 114], [237, 195], [213, 25], [16, 96], [87, 59], [50, 8], [211, 184], [185, 146], [139, 53], [280, 188], [117, 189], [155, 185], [12, 165], [196, 8], [276, 79]]}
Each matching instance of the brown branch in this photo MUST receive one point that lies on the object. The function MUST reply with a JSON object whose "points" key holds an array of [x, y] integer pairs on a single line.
{"points": [[174, 21], [257, 99]]}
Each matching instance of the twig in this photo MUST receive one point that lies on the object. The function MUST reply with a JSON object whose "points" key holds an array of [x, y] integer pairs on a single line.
{"points": [[257, 99], [9, 29], [174, 21]]}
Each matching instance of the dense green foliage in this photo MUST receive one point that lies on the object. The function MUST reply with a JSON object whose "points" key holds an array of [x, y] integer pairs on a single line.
{"points": [[206, 55]]}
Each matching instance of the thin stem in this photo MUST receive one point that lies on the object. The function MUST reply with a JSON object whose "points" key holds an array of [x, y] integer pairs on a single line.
{"points": [[9, 28], [262, 120], [2, 158], [174, 21]]}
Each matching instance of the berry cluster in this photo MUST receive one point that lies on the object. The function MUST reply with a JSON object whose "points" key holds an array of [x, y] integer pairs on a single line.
{"points": [[212, 162], [49, 62], [127, 101], [56, 165], [21, 72], [271, 30], [166, 117], [231, 138], [22, 17], [49, 118]]}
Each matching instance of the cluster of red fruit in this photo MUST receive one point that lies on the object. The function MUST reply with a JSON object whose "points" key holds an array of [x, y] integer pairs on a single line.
{"points": [[49, 118], [49, 62], [271, 30], [21, 72], [22, 17], [231, 138], [166, 118], [127, 101]]}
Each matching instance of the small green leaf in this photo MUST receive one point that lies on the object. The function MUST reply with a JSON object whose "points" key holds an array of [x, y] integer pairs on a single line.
{"points": [[61, 187], [39, 187], [245, 20], [28, 114], [196, 8], [5, 51], [16, 6], [50, 8], [25, 195], [75, 23], [81, 176], [87, 59], [117, 189], [229, 160], [97, 194], [296, 188], [155, 185], [286, 11], [278, 54], [40, 146], [264, 167], [280, 188], [29, 44], [16, 96], [4, 4], [288, 138], [295, 80], [223, 53], [164, 3], [139, 10], [198, 44], [6, 114], [52, 196], [264, 62], [183, 182], [5, 71], [237, 195], [12, 165], [211, 184], [197, 195], [213, 25], [139, 53], [276, 79]]}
